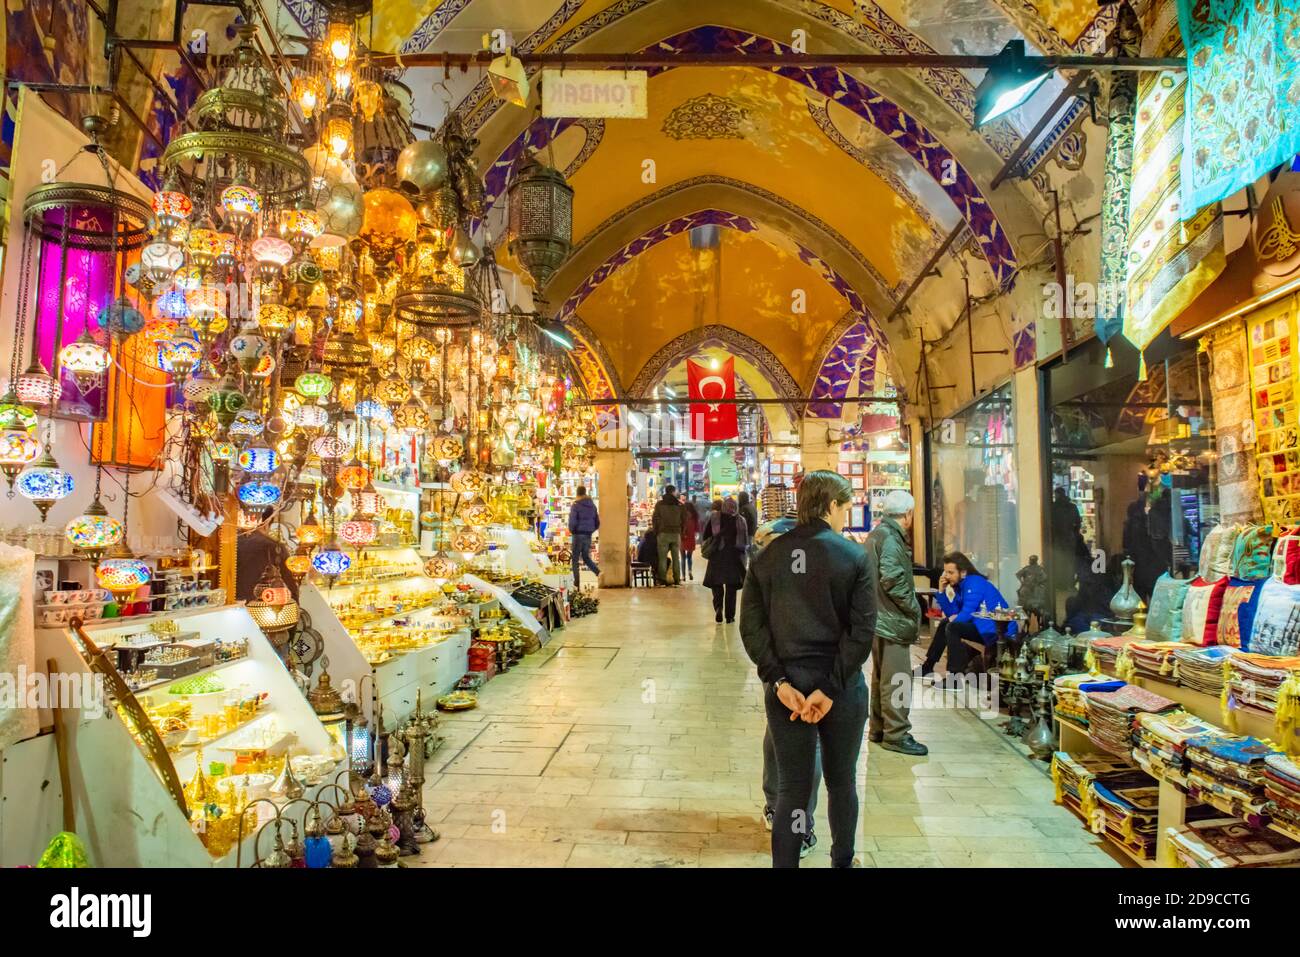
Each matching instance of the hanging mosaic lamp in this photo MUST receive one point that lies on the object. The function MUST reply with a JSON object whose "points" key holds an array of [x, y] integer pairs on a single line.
{"points": [[44, 484], [442, 567], [172, 207], [18, 449], [241, 205], [160, 261], [180, 354], [246, 424], [258, 461], [274, 319], [36, 387], [15, 415], [310, 531], [259, 494], [358, 532], [540, 205], [248, 348], [85, 360], [120, 318], [313, 385], [328, 446], [354, 476], [123, 575], [331, 561], [368, 501], [311, 417], [299, 563], [412, 418], [94, 531]]}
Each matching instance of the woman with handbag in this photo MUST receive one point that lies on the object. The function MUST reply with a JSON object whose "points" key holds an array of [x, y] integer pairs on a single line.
{"points": [[724, 550]]}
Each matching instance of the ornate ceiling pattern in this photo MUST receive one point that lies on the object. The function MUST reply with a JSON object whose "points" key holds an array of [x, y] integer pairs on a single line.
{"points": [[851, 340]]}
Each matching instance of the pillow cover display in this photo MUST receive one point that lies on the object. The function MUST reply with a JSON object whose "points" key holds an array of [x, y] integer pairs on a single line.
{"points": [[1217, 551], [1252, 553], [1165, 619], [1286, 558], [1276, 629], [1201, 610], [1237, 615]]}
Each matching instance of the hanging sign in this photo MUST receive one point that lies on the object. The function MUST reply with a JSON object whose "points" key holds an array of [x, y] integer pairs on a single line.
{"points": [[594, 93]]}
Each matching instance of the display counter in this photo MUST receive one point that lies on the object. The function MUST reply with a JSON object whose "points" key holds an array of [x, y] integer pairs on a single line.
{"points": [[218, 694]]}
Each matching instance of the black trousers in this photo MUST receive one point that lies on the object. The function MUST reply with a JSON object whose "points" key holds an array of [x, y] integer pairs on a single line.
{"points": [[840, 736], [725, 595], [948, 637]]}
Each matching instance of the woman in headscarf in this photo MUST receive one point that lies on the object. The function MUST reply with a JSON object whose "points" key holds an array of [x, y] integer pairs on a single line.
{"points": [[726, 573]]}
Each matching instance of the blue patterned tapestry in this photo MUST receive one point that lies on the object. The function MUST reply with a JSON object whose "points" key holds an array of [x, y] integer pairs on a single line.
{"points": [[1243, 94]]}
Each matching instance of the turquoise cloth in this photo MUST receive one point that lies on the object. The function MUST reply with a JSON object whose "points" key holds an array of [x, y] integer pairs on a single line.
{"points": [[1242, 94]]}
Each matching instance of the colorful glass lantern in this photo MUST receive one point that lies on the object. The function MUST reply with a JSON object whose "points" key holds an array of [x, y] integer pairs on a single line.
{"points": [[15, 415], [94, 531], [204, 246], [241, 205], [374, 411], [368, 501], [172, 304], [123, 577], [226, 400], [477, 514], [328, 446], [468, 540], [393, 392], [330, 561], [301, 226], [358, 532], [274, 319], [368, 97], [197, 389], [298, 564], [259, 494], [388, 221], [120, 318], [311, 417], [265, 366], [259, 460], [17, 450], [339, 42], [354, 477], [271, 252], [180, 354], [468, 482], [36, 387], [85, 360], [160, 261], [447, 448], [313, 385], [310, 531], [309, 92], [223, 451], [246, 424], [412, 418], [442, 567], [44, 484], [172, 208], [248, 349]]}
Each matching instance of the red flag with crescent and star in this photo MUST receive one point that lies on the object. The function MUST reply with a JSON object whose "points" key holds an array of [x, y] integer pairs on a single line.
{"points": [[712, 421]]}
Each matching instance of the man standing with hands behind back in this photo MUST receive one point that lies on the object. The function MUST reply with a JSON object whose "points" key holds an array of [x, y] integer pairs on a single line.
{"points": [[807, 617], [898, 625]]}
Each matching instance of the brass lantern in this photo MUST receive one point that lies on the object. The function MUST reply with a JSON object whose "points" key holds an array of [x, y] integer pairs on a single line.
{"points": [[541, 219]]}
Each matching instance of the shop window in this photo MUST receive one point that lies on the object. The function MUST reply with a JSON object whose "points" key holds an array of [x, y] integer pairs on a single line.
{"points": [[1131, 472], [974, 489]]}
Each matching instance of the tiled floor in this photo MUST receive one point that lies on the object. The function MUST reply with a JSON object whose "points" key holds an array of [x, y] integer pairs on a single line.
{"points": [[633, 740]]}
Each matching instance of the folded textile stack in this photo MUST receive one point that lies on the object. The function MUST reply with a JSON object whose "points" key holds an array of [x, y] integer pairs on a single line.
{"points": [[1124, 804], [1282, 788], [1201, 669], [1227, 842], [1110, 716], [1106, 650], [1072, 774], [1228, 770], [1154, 659], [1160, 741], [1069, 691], [1255, 681]]}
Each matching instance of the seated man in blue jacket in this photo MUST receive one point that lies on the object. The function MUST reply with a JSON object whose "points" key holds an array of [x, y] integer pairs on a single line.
{"points": [[584, 520], [962, 590]]}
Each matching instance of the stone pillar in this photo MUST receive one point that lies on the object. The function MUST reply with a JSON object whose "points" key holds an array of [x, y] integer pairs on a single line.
{"points": [[1030, 461], [914, 429], [816, 452], [613, 470]]}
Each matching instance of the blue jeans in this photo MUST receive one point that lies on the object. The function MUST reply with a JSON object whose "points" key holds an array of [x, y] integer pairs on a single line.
{"points": [[582, 554], [795, 743]]}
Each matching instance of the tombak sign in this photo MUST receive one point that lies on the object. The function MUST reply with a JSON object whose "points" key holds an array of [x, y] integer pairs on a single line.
{"points": [[594, 93]]}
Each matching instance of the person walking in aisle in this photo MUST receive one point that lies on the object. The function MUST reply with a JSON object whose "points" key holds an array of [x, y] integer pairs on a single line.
{"points": [[690, 527], [584, 521], [898, 624], [666, 522], [747, 511], [725, 553], [807, 616]]}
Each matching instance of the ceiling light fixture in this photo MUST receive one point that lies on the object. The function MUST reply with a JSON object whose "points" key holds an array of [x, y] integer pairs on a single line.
{"points": [[1008, 83]]}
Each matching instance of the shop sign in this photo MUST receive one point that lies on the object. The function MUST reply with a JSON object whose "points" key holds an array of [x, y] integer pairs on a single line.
{"points": [[594, 93]]}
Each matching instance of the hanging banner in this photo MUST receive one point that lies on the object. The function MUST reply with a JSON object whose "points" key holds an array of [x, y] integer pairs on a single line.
{"points": [[619, 94], [712, 422], [1243, 94]]}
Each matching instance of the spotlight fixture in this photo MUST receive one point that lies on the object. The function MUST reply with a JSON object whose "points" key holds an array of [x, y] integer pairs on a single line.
{"points": [[1008, 83], [554, 330]]}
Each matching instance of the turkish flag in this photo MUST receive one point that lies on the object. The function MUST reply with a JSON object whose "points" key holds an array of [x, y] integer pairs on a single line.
{"points": [[712, 422]]}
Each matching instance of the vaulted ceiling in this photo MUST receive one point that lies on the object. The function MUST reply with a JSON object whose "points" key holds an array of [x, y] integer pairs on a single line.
{"points": [[831, 188]]}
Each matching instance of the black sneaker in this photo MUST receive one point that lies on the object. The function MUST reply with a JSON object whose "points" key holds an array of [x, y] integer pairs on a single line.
{"points": [[718, 617], [767, 818], [806, 848], [907, 745]]}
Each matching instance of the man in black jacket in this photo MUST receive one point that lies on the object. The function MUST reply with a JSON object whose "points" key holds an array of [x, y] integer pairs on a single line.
{"points": [[808, 615]]}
